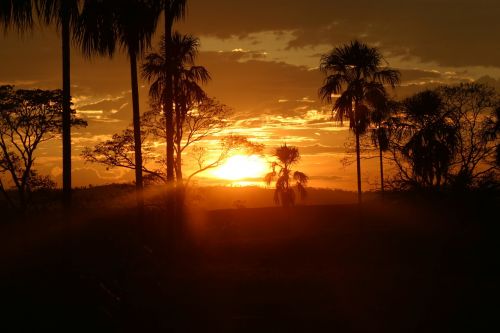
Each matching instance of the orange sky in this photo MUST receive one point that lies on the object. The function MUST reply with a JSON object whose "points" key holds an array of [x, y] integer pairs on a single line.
{"points": [[263, 58]]}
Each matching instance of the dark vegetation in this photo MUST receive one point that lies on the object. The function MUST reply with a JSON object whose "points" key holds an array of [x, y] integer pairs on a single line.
{"points": [[27, 119], [285, 158], [421, 257], [408, 264]]}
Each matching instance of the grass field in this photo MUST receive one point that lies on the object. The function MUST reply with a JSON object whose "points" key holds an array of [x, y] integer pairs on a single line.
{"points": [[388, 266]]}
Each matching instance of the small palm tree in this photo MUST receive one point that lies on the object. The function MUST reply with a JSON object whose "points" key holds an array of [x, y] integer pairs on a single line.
{"points": [[286, 157], [355, 72]]}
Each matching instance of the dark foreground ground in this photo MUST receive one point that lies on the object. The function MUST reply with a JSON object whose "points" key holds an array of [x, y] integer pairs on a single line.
{"points": [[389, 267]]}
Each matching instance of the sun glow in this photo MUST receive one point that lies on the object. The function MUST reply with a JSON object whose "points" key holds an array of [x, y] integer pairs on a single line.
{"points": [[242, 167]]}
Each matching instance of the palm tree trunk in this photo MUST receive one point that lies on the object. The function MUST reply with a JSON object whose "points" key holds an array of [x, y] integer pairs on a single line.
{"points": [[169, 112], [358, 167], [358, 155], [169, 122], [66, 116], [137, 132], [381, 169]]}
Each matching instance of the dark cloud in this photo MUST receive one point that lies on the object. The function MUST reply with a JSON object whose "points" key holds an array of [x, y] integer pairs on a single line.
{"points": [[450, 32], [106, 104]]}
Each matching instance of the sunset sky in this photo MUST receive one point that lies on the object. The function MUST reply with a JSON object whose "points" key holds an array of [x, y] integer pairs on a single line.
{"points": [[263, 56]]}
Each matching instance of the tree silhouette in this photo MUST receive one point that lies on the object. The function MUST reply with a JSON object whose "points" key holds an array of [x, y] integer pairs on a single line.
{"points": [[446, 138], [380, 134], [426, 139], [355, 72], [17, 14], [129, 24], [208, 119], [173, 10], [136, 23], [286, 157], [27, 118], [187, 93], [65, 15], [473, 109]]}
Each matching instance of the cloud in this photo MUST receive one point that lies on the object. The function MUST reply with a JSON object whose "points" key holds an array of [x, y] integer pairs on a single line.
{"points": [[320, 149], [95, 175], [256, 85], [420, 75], [448, 32]]}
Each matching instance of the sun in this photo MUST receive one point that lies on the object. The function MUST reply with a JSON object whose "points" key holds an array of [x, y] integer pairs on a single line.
{"points": [[239, 167]]}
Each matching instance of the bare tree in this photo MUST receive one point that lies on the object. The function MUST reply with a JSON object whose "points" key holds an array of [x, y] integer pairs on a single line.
{"points": [[472, 107], [227, 146], [208, 119]]}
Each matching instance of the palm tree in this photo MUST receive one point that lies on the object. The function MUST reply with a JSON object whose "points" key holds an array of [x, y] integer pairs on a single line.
{"points": [[136, 23], [130, 24], [429, 138], [186, 89], [173, 11], [286, 157], [16, 14], [354, 71], [380, 117], [64, 13]]}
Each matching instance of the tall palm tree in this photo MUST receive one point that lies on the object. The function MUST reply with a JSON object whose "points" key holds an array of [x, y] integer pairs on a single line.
{"points": [[286, 157], [133, 23], [173, 11], [64, 13], [186, 78], [355, 72]]}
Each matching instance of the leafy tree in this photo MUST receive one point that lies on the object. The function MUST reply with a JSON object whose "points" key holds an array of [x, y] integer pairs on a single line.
{"points": [[446, 138], [355, 72], [27, 118], [425, 140], [286, 157], [66, 16]]}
